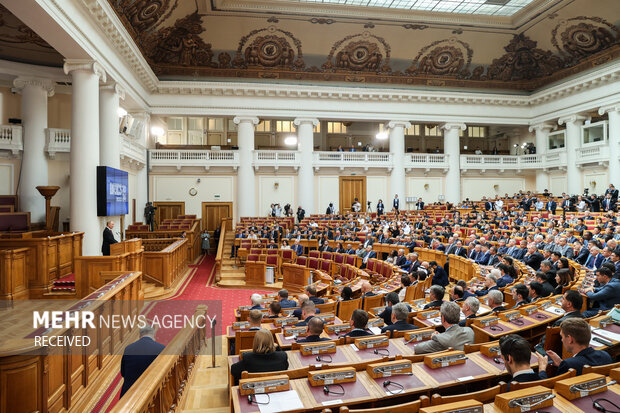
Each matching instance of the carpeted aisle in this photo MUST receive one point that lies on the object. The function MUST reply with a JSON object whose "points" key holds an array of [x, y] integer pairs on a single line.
{"points": [[196, 288]]}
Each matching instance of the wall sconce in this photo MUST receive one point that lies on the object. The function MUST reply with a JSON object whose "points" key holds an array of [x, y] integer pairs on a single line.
{"points": [[426, 186], [592, 184], [276, 185], [496, 187]]}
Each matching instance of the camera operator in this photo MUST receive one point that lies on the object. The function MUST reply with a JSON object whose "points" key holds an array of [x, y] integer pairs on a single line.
{"points": [[149, 215]]}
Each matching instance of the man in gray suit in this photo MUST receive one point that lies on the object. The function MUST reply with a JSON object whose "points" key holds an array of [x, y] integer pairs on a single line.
{"points": [[455, 336]]}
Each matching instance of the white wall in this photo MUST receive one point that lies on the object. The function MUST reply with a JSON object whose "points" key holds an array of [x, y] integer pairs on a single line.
{"points": [[269, 194], [7, 179], [475, 188], [377, 188], [327, 190], [58, 175], [558, 184], [176, 188], [416, 187], [599, 177]]}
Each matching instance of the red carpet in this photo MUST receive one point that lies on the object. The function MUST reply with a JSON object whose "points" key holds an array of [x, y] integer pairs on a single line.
{"points": [[66, 283], [196, 288]]}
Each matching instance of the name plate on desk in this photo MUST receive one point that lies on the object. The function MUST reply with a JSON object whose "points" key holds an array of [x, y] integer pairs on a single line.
{"points": [[524, 400], [428, 314], [337, 328], [295, 331], [450, 358], [605, 321], [545, 304], [372, 342], [308, 349], [241, 325], [285, 321], [389, 368], [261, 385], [375, 322], [528, 309], [465, 406], [377, 310], [581, 386], [510, 315], [491, 349], [417, 336], [486, 321], [420, 302], [332, 376], [326, 317]]}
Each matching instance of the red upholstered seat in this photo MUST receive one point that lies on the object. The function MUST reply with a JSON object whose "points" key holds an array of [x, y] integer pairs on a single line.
{"points": [[314, 254]]}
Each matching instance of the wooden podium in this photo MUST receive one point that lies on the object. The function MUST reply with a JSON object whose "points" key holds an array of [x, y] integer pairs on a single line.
{"points": [[295, 277], [255, 273]]}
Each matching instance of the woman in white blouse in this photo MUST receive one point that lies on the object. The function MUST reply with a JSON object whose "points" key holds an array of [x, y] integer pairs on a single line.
{"points": [[581, 204]]}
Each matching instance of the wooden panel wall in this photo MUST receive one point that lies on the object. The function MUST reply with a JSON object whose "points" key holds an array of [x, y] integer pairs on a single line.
{"points": [[352, 187]]}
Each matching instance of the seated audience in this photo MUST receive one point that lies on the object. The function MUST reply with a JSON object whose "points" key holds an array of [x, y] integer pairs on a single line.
{"points": [[495, 299], [257, 302], [138, 356], [366, 289], [454, 336], [275, 309], [440, 277], [572, 302], [315, 328], [535, 291], [311, 291], [400, 312], [405, 280], [308, 310], [457, 294], [604, 297], [465, 287], [255, 317], [436, 295], [517, 358], [262, 358], [470, 309], [541, 278], [284, 301], [563, 279], [504, 275], [576, 336], [346, 294], [490, 284], [390, 300], [297, 312], [520, 295], [359, 322]]}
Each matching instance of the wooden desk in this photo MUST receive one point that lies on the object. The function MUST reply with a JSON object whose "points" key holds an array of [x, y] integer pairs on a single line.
{"points": [[534, 326]]}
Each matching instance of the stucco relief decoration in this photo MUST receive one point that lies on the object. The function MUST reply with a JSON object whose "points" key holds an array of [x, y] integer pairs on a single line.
{"points": [[450, 57], [581, 36], [19, 33], [180, 44], [145, 15], [363, 52], [523, 61], [270, 48]]}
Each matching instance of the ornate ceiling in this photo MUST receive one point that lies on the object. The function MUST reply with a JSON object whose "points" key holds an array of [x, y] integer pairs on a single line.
{"points": [[19, 43]]}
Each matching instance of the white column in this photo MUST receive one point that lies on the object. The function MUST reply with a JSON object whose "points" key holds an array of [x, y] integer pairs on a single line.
{"points": [[109, 140], [397, 149], [142, 178], [305, 146], [574, 182], [246, 194], [452, 148], [542, 142], [613, 112], [84, 157], [34, 162]]}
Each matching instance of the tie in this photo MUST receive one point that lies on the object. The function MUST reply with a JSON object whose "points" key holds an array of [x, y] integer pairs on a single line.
{"points": [[589, 261]]}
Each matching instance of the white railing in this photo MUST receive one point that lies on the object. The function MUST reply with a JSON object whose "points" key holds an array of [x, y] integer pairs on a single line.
{"points": [[276, 158], [518, 162], [426, 160], [353, 159], [11, 138], [58, 140], [204, 158], [590, 154], [133, 150]]}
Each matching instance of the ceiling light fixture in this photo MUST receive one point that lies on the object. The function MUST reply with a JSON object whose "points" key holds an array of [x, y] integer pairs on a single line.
{"points": [[290, 140], [157, 131]]}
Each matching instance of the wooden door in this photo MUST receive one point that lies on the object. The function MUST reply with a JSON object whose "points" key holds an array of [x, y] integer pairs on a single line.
{"points": [[168, 210], [212, 214], [352, 187]]}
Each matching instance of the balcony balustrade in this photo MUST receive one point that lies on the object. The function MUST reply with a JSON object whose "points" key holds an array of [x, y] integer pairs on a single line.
{"points": [[11, 138]]}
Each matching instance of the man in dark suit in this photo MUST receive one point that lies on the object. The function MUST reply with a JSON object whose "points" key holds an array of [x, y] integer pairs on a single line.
{"points": [[576, 336], [460, 250], [520, 295], [470, 308], [311, 291], [420, 204], [571, 304], [436, 295], [533, 258], [390, 300], [440, 277], [488, 204], [298, 248], [517, 356], [490, 284], [609, 204], [315, 328], [358, 322], [607, 295], [551, 206], [396, 203], [369, 253], [308, 310], [108, 238], [399, 319], [138, 356], [284, 301], [495, 299]]}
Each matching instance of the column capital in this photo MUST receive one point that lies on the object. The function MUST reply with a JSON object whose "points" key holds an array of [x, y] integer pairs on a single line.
{"points": [[113, 87], [46, 84], [241, 119], [571, 118], [145, 116], [72, 65], [301, 121], [453, 125], [615, 107], [396, 123], [543, 127]]}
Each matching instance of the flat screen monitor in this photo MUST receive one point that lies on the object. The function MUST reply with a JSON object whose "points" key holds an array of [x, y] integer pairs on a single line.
{"points": [[112, 192]]}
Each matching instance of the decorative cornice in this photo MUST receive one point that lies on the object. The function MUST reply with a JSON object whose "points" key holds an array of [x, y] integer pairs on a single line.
{"points": [[72, 65], [301, 121], [46, 84], [571, 119], [243, 119], [452, 126], [541, 126], [396, 123], [113, 87], [609, 108]]}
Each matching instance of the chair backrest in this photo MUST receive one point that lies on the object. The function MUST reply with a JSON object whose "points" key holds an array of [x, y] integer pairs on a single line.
{"points": [[327, 308], [410, 293], [273, 252], [409, 407], [604, 370], [313, 263], [484, 396], [549, 383], [327, 255], [272, 260], [339, 258], [553, 341], [345, 308], [326, 266], [301, 261], [374, 301], [244, 340], [288, 255], [350, 259], [314, 254], [253, 257]]}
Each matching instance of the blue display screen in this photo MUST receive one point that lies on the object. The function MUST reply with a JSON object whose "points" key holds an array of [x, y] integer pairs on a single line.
{"points": [[112, 191]]}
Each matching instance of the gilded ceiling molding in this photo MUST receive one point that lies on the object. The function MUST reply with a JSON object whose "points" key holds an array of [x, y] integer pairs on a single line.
{"points": [[359, 52], [268, 47], [144, 15], [582, 36], [449, 57]]}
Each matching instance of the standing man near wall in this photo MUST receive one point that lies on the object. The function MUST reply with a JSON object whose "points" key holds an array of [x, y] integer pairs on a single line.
{"points": [[396, 203], [108, 238]]}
